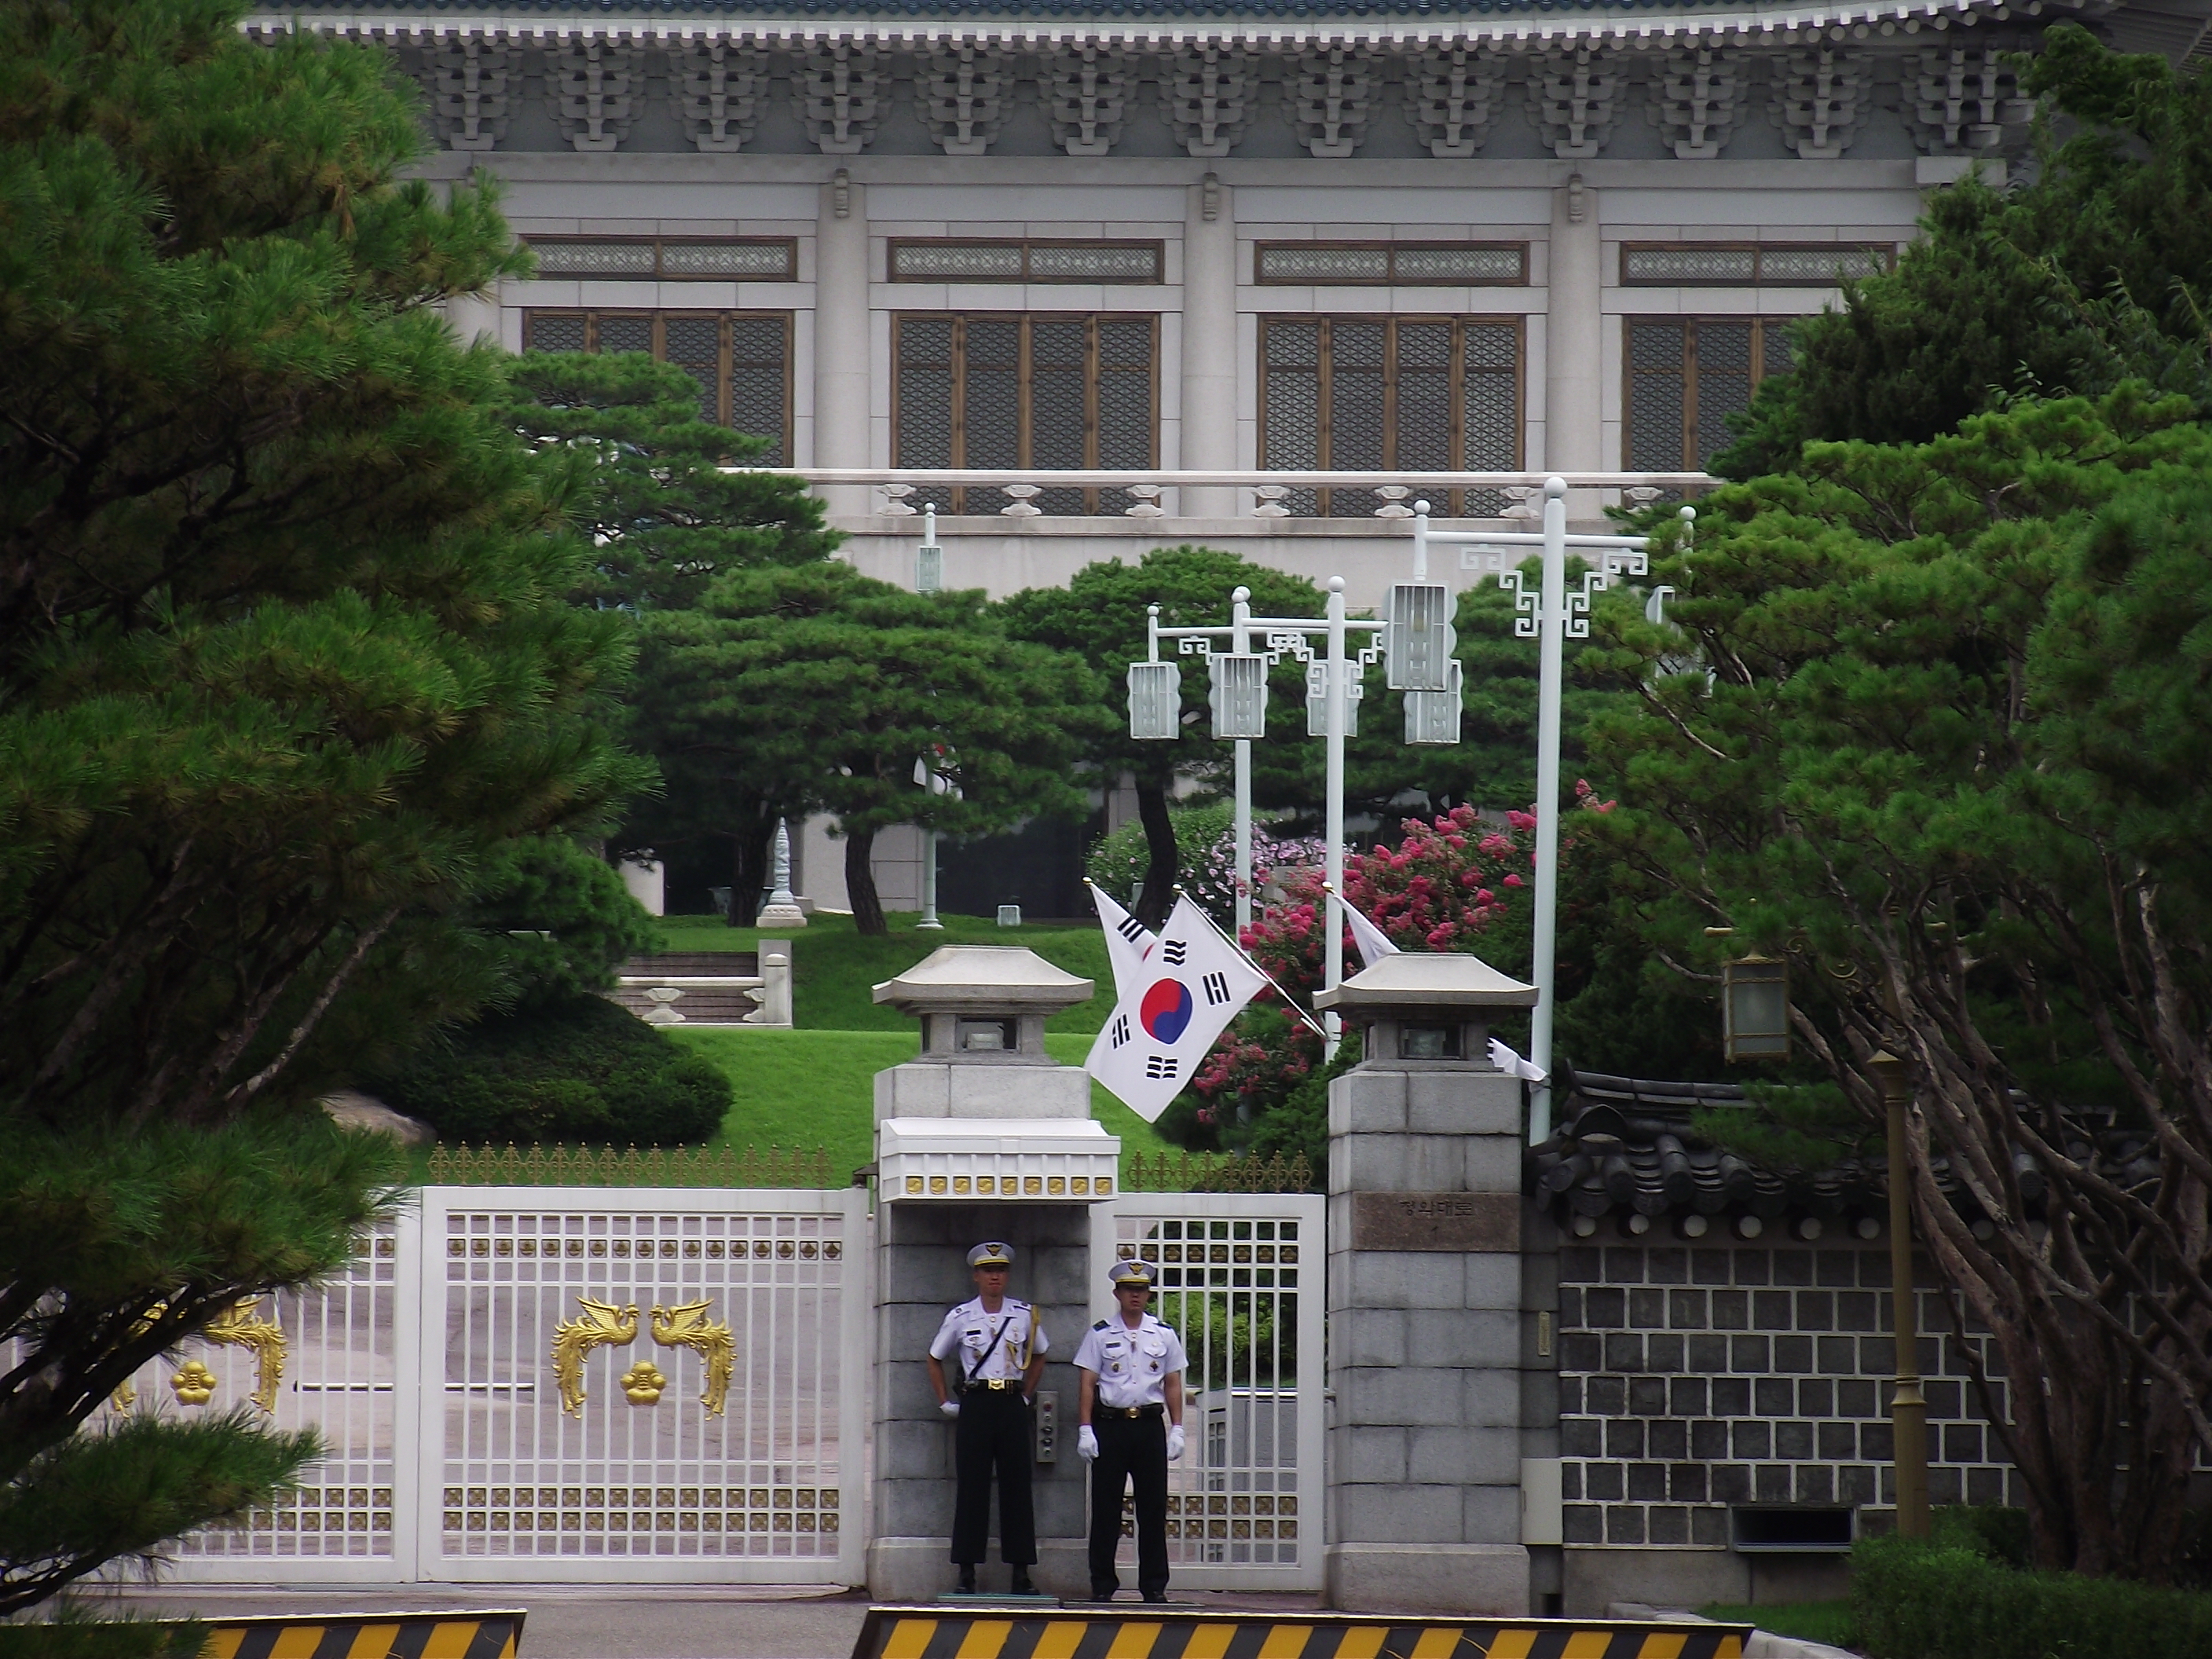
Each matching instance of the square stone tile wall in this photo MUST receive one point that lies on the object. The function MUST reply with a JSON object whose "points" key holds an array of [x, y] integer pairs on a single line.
{"points": [[1695, 1377]]}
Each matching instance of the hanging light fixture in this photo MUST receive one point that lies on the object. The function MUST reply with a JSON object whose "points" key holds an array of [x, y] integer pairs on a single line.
{"points": [[1755, 1009]]}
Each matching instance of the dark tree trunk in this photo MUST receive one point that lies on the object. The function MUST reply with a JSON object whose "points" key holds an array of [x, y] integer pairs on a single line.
{"points": [[1162, 872], [860, 884], [750, 851]]}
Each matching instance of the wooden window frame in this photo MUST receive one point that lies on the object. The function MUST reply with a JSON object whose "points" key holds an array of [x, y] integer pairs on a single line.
{"points": [[1885, 254], [1159, 251], [1689, 372], [660, 273], [1024, 423], [724, 317], [1390, 278], [1324, 413]]}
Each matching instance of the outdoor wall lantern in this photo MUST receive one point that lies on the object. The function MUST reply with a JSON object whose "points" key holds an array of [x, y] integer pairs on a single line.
{"points": [[1755, 1009]]}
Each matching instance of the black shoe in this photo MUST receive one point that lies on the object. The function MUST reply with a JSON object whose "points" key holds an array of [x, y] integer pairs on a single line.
{"points": [[967, 1581], [1021, 1585], [1155, 1595], [1103, 1594]]}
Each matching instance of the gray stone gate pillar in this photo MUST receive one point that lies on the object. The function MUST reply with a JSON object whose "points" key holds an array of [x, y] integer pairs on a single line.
{"points": [[983, 1135], [1425, 1295]]}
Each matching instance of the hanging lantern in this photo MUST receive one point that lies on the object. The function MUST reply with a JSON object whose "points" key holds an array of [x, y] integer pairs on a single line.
{"points": [[1317, 702], [1239, 694], [1432, 717], [1420, 637], [1755, 1009], [1155, 700]]}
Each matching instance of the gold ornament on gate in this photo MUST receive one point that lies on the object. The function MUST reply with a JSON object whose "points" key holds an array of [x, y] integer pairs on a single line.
{"points": [[643, 1383], [193, 1384], [603, 1325], [686, 1326]]}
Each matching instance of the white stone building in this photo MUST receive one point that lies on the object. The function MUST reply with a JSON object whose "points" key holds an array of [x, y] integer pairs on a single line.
{"points": [[1437, 235]]}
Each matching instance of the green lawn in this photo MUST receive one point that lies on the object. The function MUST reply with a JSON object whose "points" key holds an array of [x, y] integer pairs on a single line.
{"points": [[807, 1089], [834, 968], [1808, 1621]]}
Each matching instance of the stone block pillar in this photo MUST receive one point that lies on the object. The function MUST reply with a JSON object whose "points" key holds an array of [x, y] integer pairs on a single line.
{"points": [[1209, 346], [843, 341], [1425, 1297]]}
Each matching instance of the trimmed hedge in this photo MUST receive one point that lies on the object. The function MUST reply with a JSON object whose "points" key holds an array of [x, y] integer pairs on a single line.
{"points": [[575, 1069], [1949, 1599]]}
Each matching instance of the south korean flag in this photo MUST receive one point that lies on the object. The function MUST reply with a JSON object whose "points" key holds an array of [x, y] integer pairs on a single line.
{"points": [[1169, 1014], [1132, 948]]}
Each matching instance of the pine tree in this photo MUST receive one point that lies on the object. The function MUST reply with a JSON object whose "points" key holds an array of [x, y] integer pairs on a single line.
{"points": [[286, 658]]}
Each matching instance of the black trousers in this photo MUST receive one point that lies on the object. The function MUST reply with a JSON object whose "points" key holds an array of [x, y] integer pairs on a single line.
{"points": [[993, 1428], [1132, 1450]]}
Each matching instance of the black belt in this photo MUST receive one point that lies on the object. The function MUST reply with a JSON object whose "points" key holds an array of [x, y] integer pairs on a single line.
{"points": [[993, 1385], [1127, 1411]]}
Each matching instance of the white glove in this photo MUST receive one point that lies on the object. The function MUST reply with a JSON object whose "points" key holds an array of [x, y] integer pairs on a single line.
{"points": [[1086, 1443], [950, 1407], [1175, 1441]]}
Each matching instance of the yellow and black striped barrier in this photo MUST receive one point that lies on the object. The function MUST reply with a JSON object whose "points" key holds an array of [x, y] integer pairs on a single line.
{"points": [[1154, 1632], [367, 1636]]}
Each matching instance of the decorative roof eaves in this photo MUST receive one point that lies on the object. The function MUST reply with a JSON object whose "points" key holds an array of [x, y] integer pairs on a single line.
{"points": [[1512, 24]]}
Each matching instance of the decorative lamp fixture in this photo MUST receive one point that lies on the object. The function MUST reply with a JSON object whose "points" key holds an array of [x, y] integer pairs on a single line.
{"points": [[929, 558], [1155, 700], [1432, 717], [1318, 701], [1755, 1009], [1239, 694], [1420, 637]]}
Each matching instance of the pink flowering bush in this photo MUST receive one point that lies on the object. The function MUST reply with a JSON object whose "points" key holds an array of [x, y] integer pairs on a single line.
{"points": [[1446, 884]]}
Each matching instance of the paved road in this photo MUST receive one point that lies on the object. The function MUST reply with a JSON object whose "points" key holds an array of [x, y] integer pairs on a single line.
{"points": [[609, 1621]]}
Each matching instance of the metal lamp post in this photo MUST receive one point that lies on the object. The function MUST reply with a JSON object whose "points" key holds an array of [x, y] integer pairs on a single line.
{"points": [[928, 578], [1908, 1406], [1239, 699], [1549, 616]]}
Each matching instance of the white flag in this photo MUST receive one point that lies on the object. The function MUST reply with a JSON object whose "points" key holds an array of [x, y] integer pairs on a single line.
{"points": [[1190, 986], [1506, 1061], [1132, 948], [1373, 943]]}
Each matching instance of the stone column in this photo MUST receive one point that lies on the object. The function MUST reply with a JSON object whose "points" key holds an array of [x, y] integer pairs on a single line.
{"points": [[1426, 1297], [843, 341], [1574, 337], [1209, 344]]}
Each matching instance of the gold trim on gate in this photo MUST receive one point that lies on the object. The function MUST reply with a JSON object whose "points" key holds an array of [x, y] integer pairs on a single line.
{"points": [[603, 1325], [241, 1326], [686, 1326]]}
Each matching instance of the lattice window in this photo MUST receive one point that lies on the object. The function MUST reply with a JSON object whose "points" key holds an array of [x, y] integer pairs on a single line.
{"points": [[1021, 260], [1729, 264], [1052, 390], [740, 359], [675, 259], [1403, 264], [1686, 379], [1412, 394]]}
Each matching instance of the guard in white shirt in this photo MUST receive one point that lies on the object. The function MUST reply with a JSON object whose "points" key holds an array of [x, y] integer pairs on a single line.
{"points": [[999, 1349], [1131, 1369]]}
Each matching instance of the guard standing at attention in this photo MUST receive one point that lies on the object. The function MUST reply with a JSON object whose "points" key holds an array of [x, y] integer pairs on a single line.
{"points": [[999, 1349], [1131, 1371]]}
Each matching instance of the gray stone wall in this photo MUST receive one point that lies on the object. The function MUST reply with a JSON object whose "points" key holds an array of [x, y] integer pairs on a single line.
{"points": [[1693, 1378]]}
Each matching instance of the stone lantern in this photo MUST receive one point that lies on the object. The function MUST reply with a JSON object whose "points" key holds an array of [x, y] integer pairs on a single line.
{"points": [[982, 1135], [1425, 1306]]}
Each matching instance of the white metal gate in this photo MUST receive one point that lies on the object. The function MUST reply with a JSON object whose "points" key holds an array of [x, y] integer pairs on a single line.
{"points": [[543, 1383], [1242, 1281]]}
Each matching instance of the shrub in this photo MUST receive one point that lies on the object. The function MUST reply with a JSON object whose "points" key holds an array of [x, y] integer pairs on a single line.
{"points": [[575, 1069], [1951, 1599], [1206, 858]]}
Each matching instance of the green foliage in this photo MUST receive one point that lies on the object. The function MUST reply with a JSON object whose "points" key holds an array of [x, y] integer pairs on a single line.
{"points": [[1927, 723], [1300, 1122], [813, 688], [1947, 1597], [2090, 275], [560, 917], [574, 1068], [119, 1245], [663, 518], [73, 1635], [1118, 862], [1789, 1126]]}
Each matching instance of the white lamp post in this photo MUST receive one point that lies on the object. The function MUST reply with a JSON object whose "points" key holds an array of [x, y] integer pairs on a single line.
{"points": [[1549, 616], [928, 578], [1240, 712]]}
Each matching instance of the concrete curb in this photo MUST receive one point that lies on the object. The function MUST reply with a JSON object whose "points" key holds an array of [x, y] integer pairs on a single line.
{"points": [[1764, 1644]]}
